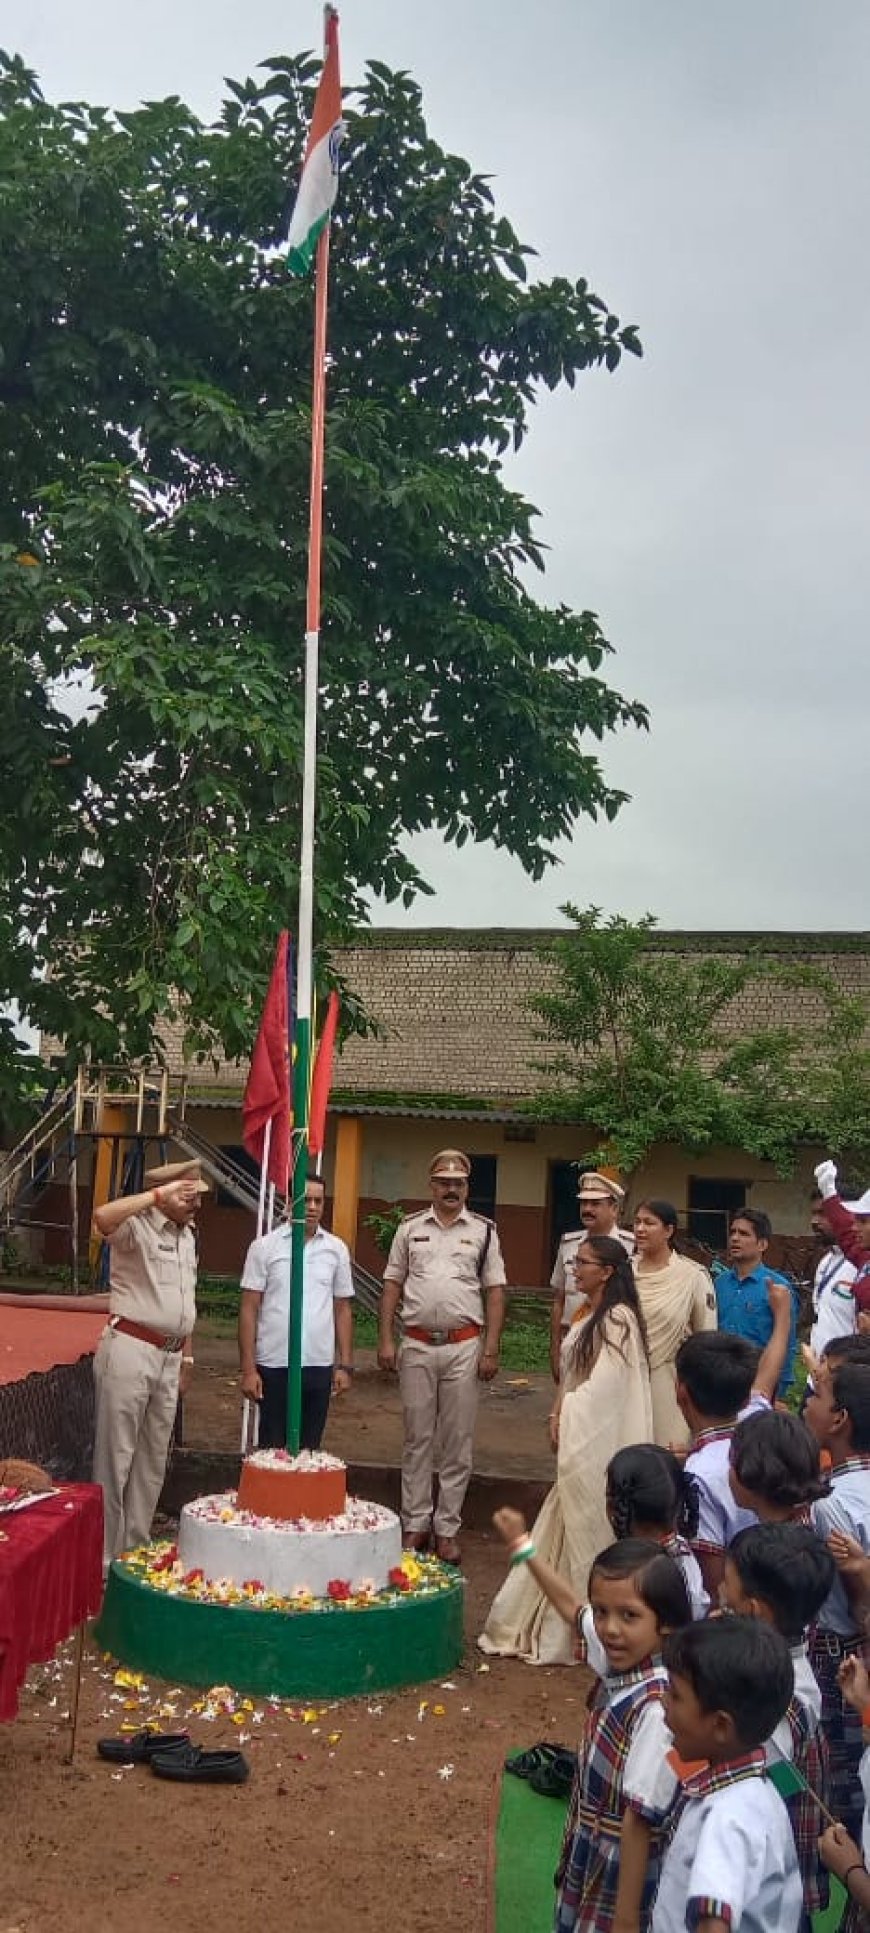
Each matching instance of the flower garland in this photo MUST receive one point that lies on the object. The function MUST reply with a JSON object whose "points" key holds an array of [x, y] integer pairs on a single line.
{"points": [[158, 1566]]}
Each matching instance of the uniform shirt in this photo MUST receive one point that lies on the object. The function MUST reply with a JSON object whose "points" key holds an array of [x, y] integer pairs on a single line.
{"points": [[442, 1268], [326, 1278], [732, 1856], [744, 1310], [562, 1278], [153, 1273], [843, 1226], [719, 1517], [833, 1300], [847, 1508], [808, 1697]]}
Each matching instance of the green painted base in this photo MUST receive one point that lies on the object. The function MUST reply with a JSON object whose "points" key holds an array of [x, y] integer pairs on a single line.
{"points": [[283, 1654]]}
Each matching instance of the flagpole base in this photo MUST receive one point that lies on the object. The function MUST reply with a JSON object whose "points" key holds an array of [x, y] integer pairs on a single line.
{"points": [[336, 1649]]}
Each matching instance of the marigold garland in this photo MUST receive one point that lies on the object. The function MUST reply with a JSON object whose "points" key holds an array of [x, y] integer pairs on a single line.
{"points": [[158, 1566]]}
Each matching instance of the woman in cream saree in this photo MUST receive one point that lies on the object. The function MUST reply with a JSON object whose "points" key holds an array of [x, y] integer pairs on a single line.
{"points": [[603, 1406], [677, 1298]]}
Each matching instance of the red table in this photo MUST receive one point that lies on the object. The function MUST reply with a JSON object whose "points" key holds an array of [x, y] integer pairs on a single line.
{"points": [[51, 1580]]}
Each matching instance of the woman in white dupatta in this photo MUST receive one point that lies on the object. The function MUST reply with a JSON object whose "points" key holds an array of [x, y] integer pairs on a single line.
{"points": [[677, 1298], [603, 1405]]}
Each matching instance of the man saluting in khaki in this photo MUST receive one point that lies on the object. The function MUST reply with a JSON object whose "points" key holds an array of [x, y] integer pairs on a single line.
{"points": [[144, 1357], [440, 1261]]}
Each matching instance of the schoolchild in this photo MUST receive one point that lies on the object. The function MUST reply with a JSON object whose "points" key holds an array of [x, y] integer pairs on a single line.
{"points": [[838, 1413], [838, 1851], [782, 1573], [775, 1467], [731, 1860], [624, 1785], [715, 1378]]}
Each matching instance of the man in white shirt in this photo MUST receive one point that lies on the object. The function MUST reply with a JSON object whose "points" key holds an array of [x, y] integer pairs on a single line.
{"points": [[327, 1324], [834, 1311]]}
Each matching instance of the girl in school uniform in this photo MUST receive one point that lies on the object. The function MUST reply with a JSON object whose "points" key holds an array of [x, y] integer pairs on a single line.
{"points": [[624, 1785]]}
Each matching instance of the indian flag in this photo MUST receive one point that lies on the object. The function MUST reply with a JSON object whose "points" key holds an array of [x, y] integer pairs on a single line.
{"points": [[319, 184]]}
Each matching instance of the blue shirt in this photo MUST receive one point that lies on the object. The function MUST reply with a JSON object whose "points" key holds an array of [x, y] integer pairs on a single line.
{"points": [[745, 1310]]}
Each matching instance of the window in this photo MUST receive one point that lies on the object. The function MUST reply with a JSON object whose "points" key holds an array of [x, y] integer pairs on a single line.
{"points": [[482, 1184], [711, 1205]]}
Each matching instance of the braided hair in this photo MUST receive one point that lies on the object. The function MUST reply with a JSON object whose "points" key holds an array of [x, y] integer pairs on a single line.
{"points": [[649, 1486]]}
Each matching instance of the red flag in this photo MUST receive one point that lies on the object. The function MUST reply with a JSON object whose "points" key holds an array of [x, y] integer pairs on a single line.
{"points": [[322, 1078], [267, 1094]]}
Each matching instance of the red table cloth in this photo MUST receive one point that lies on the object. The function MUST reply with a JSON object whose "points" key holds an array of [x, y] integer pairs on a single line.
{"points": [[51, 1578]]}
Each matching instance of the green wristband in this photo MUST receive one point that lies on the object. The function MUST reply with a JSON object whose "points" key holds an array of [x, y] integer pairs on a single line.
{"points": [[525, 1551]]}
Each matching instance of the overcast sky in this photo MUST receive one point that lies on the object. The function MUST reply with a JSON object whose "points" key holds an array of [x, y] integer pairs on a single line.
{"points": [[706, 167]]}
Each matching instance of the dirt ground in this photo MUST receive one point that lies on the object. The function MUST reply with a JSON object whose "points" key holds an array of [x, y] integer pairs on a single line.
{"points": [[365, 1425], [373, 1813]]}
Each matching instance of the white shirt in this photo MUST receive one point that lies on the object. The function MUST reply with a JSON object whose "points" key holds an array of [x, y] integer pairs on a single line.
{"points": [[719, 1517], [833, 1301], [732, 1846], [780, 1745], [846, 1508], [326, 1278]]}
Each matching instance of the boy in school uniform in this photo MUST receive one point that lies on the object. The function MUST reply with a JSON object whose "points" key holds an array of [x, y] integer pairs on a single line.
{"points": [[731, 1865], [721, 1378], [782, 1573], [838, 1413]]}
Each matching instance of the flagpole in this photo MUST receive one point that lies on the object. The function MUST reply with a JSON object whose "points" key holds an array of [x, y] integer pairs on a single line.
{"points": [[305, 977]]}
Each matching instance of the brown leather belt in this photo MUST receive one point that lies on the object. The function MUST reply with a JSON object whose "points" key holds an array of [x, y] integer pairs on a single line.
{"points": [[169, 1344], [443, 1335]]}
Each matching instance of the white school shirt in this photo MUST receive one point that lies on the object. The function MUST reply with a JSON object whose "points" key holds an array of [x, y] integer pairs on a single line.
{"points": [[833, 1301], [846, 1508], [719, 1517], [733, 1849], [326, 1279], [780, 1745], [864, 1776]]}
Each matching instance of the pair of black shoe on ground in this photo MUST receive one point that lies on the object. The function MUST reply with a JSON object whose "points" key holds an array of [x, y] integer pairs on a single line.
{"points": [[548, 1769], [172, 1755]]}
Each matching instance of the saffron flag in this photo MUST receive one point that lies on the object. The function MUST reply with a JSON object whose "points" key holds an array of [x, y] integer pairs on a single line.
{"points": [[267, 1093], [318, 186], [322, 1078]]}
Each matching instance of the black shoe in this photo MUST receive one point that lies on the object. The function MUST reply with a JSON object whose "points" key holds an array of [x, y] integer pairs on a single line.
{"points": [[554, 1780], [523, 1764], [141, 1747], [192, 1764]]}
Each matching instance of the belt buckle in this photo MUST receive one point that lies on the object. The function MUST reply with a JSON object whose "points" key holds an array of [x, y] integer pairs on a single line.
{"points": [[438, 1335]]}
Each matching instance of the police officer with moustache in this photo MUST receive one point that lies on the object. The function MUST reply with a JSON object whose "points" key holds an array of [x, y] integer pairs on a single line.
{"points": [[600, 1200], [144, 1356], [440, 1262]]}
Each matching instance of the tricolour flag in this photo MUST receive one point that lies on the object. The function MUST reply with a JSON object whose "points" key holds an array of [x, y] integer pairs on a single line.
{"points": [[319, 184]]}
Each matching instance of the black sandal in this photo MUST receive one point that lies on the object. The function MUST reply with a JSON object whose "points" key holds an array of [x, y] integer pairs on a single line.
{"points": [[534, 1760], [555, 1780], [140, 1748]]}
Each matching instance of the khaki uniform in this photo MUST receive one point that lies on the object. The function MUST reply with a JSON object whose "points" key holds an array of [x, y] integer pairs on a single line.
{"points": [[153, 1281], [563, 1279], [443, 1269]]}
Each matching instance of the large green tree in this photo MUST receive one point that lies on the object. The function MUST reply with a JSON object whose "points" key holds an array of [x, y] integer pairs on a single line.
{"points": [[154, 441], [647, 1044]]}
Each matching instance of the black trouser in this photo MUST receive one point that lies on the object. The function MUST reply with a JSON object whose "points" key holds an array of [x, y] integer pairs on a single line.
{"points": [[316, 1391]]}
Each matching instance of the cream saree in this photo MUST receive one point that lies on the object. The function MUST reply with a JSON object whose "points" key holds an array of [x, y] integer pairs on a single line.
{"points": [[677, 1301], [601, 1414]]}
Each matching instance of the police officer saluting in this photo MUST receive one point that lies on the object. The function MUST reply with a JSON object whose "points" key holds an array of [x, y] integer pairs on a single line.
{"points": [[144, 1356], [440, 1262]]}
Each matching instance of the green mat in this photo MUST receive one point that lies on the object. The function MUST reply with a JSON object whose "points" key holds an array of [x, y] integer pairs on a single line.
{"points": [[527, 1840], [528, 1835]]}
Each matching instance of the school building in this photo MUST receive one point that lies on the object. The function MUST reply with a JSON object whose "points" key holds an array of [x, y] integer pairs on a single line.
{"points": [[452, 1062]]}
